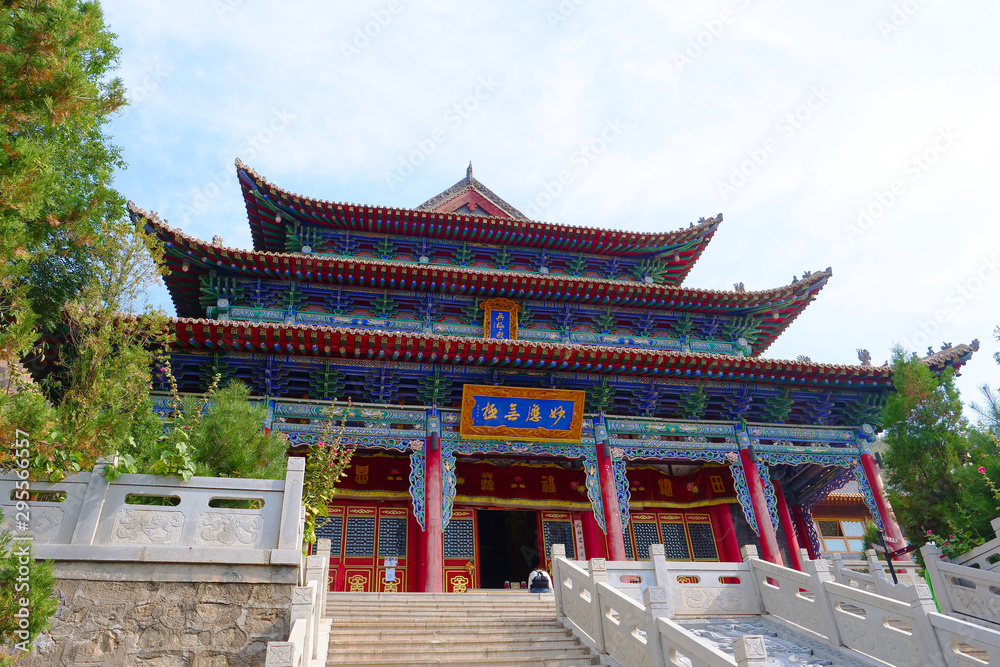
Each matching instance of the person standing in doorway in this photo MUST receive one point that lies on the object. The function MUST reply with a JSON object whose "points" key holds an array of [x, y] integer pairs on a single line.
{"points": [[539, 581]]}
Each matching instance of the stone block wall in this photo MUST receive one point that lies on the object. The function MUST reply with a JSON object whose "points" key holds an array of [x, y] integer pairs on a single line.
{"points": [[163, 624]]}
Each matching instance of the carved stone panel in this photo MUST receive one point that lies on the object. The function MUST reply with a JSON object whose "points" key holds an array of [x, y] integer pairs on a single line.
{"points": [[228, 530], [147, 526]]}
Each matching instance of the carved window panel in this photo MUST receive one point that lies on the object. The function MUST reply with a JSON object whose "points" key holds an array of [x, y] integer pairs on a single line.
{"points": [[360, 536], [391, 537], [675, 542], [559, 532], [331, 528], [459, 539], [702, 541], [645, 534]]}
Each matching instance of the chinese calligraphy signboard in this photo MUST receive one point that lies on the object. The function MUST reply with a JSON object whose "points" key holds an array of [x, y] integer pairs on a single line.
{"points": [[500, 321], [510, 413]]}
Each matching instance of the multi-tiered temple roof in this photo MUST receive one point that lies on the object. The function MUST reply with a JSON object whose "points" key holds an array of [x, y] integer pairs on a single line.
{"points": [[331, 289]]}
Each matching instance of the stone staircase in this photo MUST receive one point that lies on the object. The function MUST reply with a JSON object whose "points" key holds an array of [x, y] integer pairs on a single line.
{"points": [[493, 628]]}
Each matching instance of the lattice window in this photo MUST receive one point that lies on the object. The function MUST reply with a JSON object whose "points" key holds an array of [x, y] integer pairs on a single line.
{"points": [[360, 536], [391, 538], [559, 532], [702, 541], [844, 536], [331, 528], [675, 544], [629, 548], [645, 534], [458, 539]]}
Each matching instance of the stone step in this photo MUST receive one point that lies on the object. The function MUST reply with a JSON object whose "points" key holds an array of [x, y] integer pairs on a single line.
{"points": [[478, 633], [465, 662], [451, 611], [456, 654], [432, 642], [365, 624]]}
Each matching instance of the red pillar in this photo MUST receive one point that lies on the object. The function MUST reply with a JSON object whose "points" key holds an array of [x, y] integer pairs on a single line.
{"points": [[768, 541], [609, 494], [433, 556], [786, 525], [593, 539], [730, 551], [893, 535], [800, 525]]}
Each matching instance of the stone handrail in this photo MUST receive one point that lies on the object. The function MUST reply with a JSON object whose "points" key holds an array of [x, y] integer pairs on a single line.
{"points": [[631, 632], [845, 569], [96, 521], [798, 598], [963, 591], [986, 556], [308, 606], [695, 590]]}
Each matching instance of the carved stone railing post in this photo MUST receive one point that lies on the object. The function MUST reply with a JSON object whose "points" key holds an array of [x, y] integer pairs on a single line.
{"points": [[291, 505], [749, 553], [932, 555], [323, 549], [558, 552], [922, 604], [93, 504], [280, 654], [749, 651], [658, 556], [657, 603], [598, 568], [303, 603], [819, 571], [315, 579]]}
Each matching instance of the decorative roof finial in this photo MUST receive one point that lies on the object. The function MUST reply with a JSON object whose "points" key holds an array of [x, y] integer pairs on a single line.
{"points": [[864, 357], [468, 172]]}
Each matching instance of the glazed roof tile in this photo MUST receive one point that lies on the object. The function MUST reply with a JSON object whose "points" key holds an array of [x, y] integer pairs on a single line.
{"points": [[775, 308], [347, 343], [268, 219]]}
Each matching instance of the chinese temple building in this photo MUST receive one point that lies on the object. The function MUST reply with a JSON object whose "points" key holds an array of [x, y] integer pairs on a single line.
{"points": [[516, 384]]}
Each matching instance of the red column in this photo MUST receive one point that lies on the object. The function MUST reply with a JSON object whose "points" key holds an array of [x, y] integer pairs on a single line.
{"points": [[730, 551], [593, 539], [800, 525], [768, 541], [433, 556], [786, 525], [612, 513], [416, 552], [893, 534]]}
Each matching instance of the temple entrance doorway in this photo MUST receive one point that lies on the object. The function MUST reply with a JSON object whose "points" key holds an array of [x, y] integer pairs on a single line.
{"points": [[508, 546]]}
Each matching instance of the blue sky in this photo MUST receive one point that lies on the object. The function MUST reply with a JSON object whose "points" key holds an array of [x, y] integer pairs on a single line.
{"points": [[857, 135]]}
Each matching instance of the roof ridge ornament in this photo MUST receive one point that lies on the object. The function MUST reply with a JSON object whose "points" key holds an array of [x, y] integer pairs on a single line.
{"points": [[468, 172]]}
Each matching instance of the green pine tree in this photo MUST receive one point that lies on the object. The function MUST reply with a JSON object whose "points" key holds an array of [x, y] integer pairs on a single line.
{"points": [[927, 440]]}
